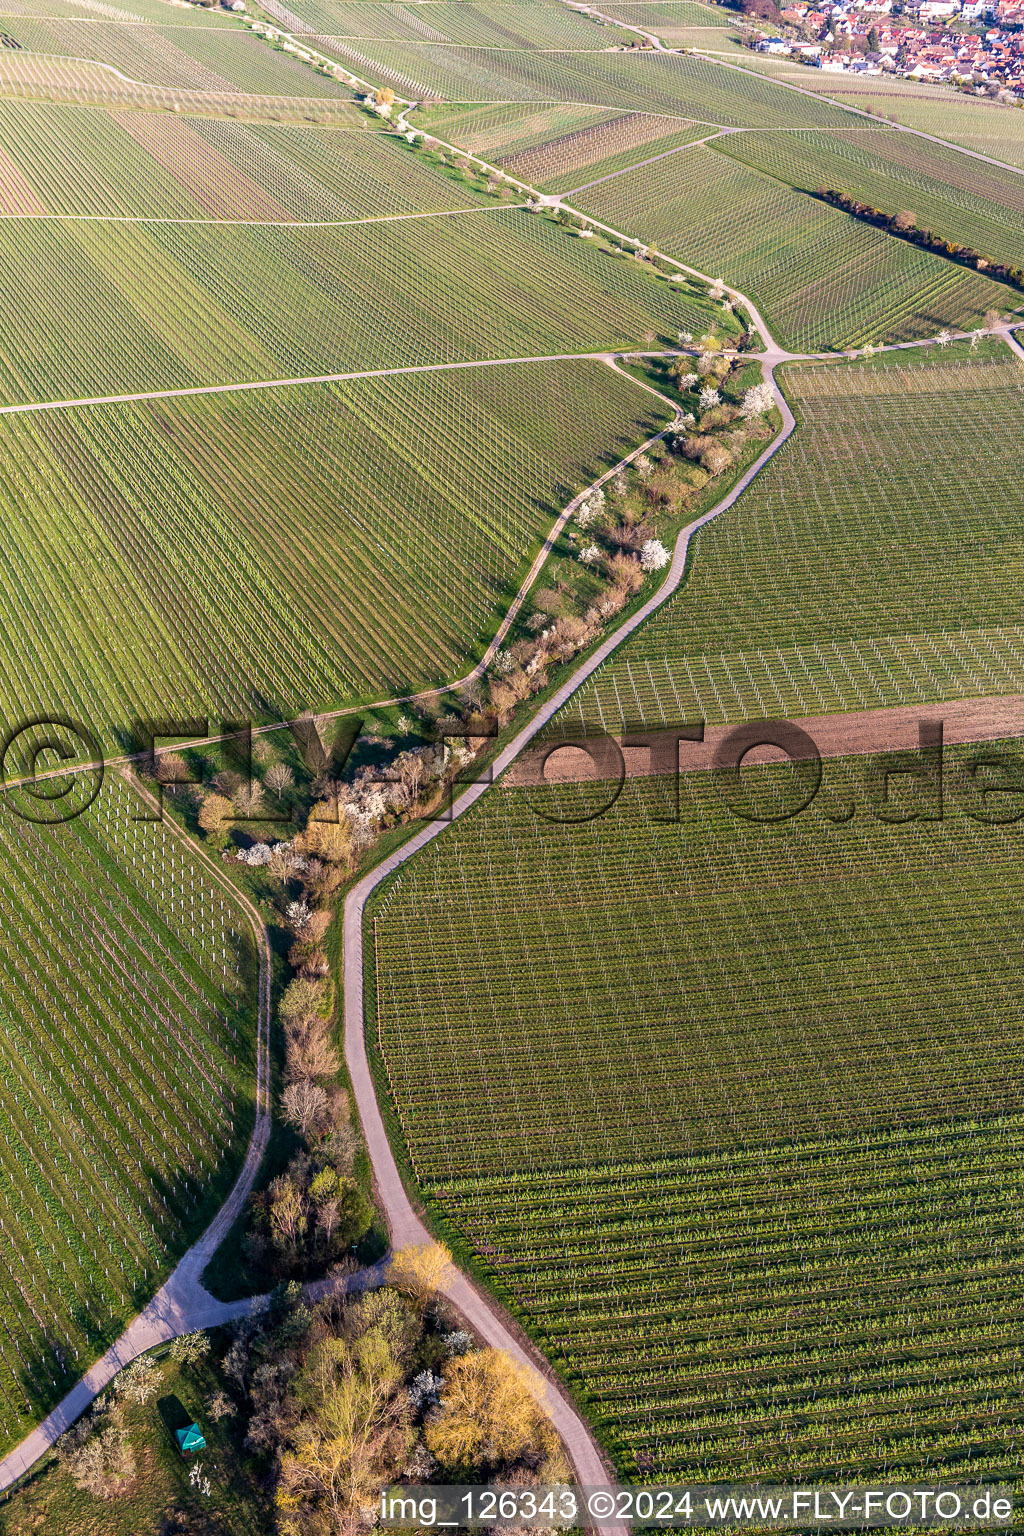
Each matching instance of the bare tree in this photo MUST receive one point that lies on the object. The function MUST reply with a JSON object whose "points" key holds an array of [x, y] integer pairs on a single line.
{"points": [[248, 798], [279, 777], [304, 1105]]}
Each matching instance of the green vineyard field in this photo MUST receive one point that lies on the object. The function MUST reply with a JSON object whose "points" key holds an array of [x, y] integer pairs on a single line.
{"points": [[822, 278], [887, 535], [226, 304], [729, 1112], [268, 551], [126, 1094], [963, 200], [185, 57], [65, 160]]}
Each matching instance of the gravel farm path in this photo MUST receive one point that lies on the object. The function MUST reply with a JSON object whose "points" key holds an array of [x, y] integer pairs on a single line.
{"points": [[183, 1304]]}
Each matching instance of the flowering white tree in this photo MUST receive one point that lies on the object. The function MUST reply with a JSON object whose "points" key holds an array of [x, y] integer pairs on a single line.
{"points": [[138, 1382], [709, 398], [589, 508], [653, 556], [688, 380], [685, 338], [975, 338], [758, 400], [257, 855], [200, 1483], [717, 290], [944, 338], [590, 554]]}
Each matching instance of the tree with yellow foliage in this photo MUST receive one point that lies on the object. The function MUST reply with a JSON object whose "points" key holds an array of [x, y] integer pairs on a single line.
{"points": [[421, 1271], [490, 1415], [215, 817], [353, 1434], [328, 834]]}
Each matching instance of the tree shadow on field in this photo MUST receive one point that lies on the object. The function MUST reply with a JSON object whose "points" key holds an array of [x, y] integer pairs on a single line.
{"points": [[247, 963], [174, 1414]]}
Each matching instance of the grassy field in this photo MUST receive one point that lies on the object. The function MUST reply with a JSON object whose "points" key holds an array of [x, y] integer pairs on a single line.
{"points": [[126, 1095], [72, 160], [959, 198], [500, 25], [630, 81], [224, 58], [728, 1112], [274, 550], [160, 1494], [888, 538], [822, 278], [227, 304]]}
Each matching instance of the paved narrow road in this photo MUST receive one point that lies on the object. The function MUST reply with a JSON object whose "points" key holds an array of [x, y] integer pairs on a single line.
{"points": [[183, 1304], [405, 1225]]}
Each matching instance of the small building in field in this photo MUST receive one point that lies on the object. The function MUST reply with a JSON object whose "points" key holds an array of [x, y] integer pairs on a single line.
{"points": [[190, 1440]]}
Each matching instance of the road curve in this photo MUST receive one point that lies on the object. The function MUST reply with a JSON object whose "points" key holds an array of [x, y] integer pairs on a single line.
{"points": [[1011, 341], [182, 1304], [405, 1225]]}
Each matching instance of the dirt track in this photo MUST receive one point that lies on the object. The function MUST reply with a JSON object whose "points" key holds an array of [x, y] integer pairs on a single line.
{"points": [[848, 735]]}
